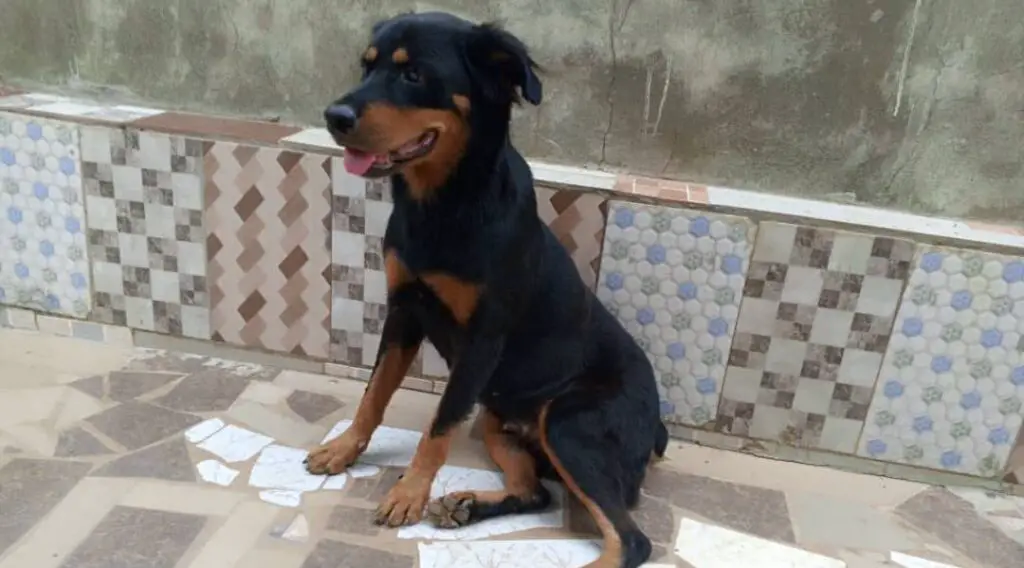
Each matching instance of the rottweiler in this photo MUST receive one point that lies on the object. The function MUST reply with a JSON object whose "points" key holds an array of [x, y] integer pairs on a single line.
{"points": [[564, 390]]}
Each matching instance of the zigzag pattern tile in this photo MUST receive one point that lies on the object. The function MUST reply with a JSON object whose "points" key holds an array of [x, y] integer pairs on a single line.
{"points": [[577, 219], [268, 216]]}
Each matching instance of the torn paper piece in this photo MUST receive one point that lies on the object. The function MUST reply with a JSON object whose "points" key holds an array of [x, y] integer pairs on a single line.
{"points": [[509, 554], [281, 498], [451, 479], [279, 467], [203, 430], [233, 444], [212, 471], [388, 447]]}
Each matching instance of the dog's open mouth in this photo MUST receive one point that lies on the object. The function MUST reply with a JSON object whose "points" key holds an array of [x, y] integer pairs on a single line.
{"points": [[368, 164]]}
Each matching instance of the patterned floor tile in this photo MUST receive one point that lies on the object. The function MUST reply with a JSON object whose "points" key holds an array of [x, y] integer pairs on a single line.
{"points": [[952, 384], [267, 211], [43, 256], [147, 241], [674, 277], [818, 307], [577, 218]]}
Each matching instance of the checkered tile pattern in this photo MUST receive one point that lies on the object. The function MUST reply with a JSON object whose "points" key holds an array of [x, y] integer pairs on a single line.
{"points": [[144, 198], [360, 212], [818, 308]]}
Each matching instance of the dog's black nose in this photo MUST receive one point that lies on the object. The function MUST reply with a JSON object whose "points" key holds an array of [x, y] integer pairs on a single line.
{"points": [[340, 118]]}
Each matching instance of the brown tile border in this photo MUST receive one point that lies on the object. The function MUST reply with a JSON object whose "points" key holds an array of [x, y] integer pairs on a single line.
{"points": [[8, 90], [218, 127], [661, 189]]}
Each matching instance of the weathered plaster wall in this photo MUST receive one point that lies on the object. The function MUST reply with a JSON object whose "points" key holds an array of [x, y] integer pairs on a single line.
{"points": [[791, 96]]}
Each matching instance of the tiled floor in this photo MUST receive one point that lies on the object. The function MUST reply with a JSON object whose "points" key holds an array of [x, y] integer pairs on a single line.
{"points": [[117, 457], [951, 391], [43, 257], [147, 242], [674, 277], [827, 300], [268, 214]]}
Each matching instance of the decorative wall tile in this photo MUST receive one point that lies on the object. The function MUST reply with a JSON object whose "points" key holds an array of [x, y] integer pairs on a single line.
{"points": [[147, 242], [674, 277], [361, 209], [952, 384], [577, 219], [817, 312], [43, 258], [1015, 466], [268, 214]]}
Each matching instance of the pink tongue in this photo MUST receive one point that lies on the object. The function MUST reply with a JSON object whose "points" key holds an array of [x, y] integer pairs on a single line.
{"points": [[358, 163]]}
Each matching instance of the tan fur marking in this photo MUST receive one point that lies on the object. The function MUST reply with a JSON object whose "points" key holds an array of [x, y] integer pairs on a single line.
{"points": [[612, 553], [459, 296]]}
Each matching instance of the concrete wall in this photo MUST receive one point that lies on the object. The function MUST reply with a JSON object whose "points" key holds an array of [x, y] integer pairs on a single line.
{"points": [[808, 97]]}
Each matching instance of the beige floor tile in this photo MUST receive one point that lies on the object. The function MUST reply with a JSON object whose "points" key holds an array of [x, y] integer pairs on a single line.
{"points": [[284, 429], [68, 524], [183, 498], [285, 556], [75, 406], [788, 476], [34, 438], [79, 356], [824, 520], [29, 405], [240, 532]]}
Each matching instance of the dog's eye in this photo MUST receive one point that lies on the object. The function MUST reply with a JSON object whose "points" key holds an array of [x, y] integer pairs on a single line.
{"points": [[411, 74]]}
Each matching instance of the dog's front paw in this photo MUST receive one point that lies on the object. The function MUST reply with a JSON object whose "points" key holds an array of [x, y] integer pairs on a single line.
{"points": [[404, 504], [335, 456], [452, 511]]}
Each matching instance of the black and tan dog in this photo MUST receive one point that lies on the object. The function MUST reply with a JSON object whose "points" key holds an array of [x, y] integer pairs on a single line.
{"points": [[564, 389]]}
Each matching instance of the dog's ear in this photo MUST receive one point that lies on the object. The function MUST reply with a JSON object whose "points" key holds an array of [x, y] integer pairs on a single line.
{"points": [[503, 64]]}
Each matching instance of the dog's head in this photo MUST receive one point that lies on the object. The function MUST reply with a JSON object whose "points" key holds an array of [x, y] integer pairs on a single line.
{"points": [[430, 81]]}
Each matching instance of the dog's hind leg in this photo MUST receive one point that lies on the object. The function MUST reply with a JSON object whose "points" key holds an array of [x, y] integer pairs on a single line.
{"points": [[523, 492], [588, 465]]}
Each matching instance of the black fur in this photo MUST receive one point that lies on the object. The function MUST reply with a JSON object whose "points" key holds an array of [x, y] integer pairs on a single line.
{"points": [[538, 335]]}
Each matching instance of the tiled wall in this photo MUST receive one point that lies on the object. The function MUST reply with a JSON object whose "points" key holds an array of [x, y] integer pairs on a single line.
{"points": [[250, 234]]}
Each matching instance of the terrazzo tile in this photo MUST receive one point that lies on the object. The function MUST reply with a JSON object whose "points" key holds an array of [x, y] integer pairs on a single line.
{"points": [[674, 277], [147, 239], [951, 389], [135, 424], [268, 211], [818, 307], [76, 442], [352, 520], [973, 536], [312, 406], [169, 461], [333, 554], [29, 489], [204, 394], [128, 536], [44, 262]]}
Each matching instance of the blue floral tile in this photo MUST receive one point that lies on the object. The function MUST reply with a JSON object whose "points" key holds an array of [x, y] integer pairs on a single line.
{"points": [[43, 260], [953, 375], [675, 277]]}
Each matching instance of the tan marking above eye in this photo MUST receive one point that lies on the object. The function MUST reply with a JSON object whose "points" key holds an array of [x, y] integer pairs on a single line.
{"points": [[370, 55], [400, 56]]}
